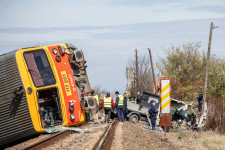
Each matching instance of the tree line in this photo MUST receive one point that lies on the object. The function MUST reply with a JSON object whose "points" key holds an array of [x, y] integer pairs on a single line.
{"points": [[186, 66]]}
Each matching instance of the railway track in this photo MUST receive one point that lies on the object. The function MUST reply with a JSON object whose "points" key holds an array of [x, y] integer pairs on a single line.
{"points": [[105, 141], [102, 138], [42, 143]]}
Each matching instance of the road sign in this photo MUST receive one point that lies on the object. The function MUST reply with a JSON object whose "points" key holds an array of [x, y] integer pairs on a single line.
{"points": [[165, 101], [165, 96]]}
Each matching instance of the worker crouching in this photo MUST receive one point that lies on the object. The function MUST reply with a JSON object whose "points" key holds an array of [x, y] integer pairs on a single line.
{"points": [[108, 104], [153, 113]]}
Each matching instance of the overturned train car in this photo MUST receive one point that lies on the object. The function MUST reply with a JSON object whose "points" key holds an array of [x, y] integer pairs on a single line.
{"points": [[40, 88]]}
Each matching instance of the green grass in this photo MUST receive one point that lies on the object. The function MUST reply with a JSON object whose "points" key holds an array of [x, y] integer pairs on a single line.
{"points": [[182, 134], [210, 145], [173, 130]]}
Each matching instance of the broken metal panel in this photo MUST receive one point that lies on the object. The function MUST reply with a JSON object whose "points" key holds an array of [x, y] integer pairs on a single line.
{"points": [[78, 66], [148, 97], [146, 101], [77, 62], [177, 104], [136, 107], [202, 119]]}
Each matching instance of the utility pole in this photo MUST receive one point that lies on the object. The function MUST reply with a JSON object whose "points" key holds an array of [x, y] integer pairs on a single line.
{"points": [[205, 110], [208, 59], [136, 56], [153, 72]]}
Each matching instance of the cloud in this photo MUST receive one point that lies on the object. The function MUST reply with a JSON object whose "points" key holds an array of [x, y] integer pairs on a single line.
{"points": [[51, 29], [170, 3], [49, 13], [108, 31], [212, 8]]}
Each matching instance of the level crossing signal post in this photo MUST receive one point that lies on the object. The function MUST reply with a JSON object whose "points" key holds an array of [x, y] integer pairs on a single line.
{"points": [[165, 103]]}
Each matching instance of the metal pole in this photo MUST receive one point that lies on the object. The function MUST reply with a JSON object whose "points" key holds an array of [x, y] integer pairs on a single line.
{"points": [[208, 60], [101, 142], [136, 55], [153, 72], [128, 78], [164, 132]]}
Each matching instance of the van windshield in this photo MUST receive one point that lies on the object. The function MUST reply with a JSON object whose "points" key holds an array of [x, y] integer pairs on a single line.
{"points": [[39, 68]]}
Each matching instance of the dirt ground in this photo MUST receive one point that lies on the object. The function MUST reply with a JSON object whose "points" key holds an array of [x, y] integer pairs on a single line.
{"points": [[129, 136], [189, 140], [117, 143]]}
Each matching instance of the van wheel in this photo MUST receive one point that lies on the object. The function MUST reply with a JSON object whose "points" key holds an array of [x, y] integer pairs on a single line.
{"points": [[134, 118]]}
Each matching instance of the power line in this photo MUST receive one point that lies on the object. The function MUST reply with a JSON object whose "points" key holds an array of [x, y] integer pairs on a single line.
{"points": [[218, 27]]}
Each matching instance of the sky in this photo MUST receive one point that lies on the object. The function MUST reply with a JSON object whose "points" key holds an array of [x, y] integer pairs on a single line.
{"points": [[108, 31]]}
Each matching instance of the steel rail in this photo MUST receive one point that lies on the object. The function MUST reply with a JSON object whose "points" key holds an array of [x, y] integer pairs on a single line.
{"points": [[45, 141], [101, 142]]}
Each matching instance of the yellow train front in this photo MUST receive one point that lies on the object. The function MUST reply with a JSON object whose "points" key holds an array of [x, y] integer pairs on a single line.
{"points": [[38, 91]]}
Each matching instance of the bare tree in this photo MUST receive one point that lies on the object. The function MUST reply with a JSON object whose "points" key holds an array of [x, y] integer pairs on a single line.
{"points": [[99, 91], [144, 75]]}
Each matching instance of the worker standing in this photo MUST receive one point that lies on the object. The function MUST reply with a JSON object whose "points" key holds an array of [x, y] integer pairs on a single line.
{"points": [[108, 104], [132, 98], [125, 110], [120, 106], [153, 112], [96, 98], [138, 99], [128, 95], [200, 99]]}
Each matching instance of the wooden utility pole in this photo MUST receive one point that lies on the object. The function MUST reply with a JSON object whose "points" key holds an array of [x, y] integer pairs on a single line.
{"points": [[208, 60], [136, 56], [153, 72]]}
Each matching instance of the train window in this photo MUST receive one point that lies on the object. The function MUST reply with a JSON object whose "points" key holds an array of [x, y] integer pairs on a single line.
{"points": [[39, 68]]}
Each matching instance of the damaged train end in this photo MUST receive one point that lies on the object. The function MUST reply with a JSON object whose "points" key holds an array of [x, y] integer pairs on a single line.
{"points": [[43, 87]]}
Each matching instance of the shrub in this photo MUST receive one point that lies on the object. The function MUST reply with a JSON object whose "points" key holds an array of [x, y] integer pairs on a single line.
{"points": [[216, 115]]}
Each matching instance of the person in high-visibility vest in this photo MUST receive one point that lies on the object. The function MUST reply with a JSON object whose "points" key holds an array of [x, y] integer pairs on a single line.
{"points": [[132, 98], [108, 104], [128, 95], [120, 106], [97, 98]]}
